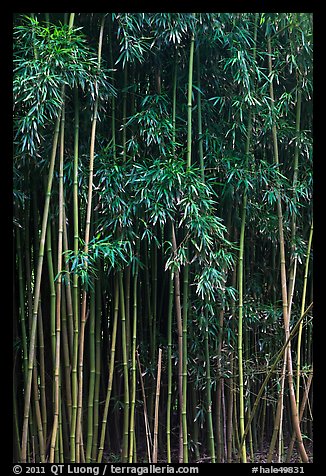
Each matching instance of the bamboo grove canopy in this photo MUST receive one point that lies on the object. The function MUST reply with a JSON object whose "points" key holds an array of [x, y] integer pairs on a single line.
{"points": [[162, 190]]}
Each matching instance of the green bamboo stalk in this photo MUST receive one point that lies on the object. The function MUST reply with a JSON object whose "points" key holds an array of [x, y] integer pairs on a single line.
{"points": [[114, 149], [200, 121], [303, 304], [58, 292], [124, 113], [111, 368], [219, 433], [211, 441], [184, 360], [98, 315], [15, 414], [272, 369], [180, 345], [174, 99], [279, 411], [230, 413], [195, 422], [219, 445], [68, 293], [42, 378], [22, 304], [127, 309], [186, 268], [169, 371], [240, 276], [294, 411], [74, 378], [133, 368], [147, 428], [66, 361], [125, 372], [189, 102], [91, 384], [52, 288], [38, 416], [28, 385], [87, 236], [240, 318], [157, 400], [294, 184], [262, 421], [154, 313]]}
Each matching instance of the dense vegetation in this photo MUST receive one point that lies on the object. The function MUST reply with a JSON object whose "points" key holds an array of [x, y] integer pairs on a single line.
{"points": [[163, 228]]}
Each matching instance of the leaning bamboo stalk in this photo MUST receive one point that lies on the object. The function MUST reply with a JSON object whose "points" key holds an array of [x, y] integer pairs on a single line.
{"points": [[52, 288], [302, 408], [42, 376], [66, 361], [22, 304], [303, 303], [279, 412], [37, 289], [272, 368], [294, 184], [157, 401], [38, 416], [294, 412], [68, 293]]}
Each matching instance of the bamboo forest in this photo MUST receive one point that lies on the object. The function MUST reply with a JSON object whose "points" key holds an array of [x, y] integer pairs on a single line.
{"points": [[162, 238]]}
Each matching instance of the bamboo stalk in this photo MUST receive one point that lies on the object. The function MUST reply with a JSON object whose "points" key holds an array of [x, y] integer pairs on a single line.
{"points": [[74, 378], [133, 368], [294, 412], [66, 362], [22, 304], [211, 441], [58, 292], [42, 379], [180, 345], [125, 372], [87, 236], [230, 414], [110, 379], [91, 383], [302, 408], [147, 427], [272, 368], [157, 400], [169, 371], [303, 304], [28, 386], [98, 315]]}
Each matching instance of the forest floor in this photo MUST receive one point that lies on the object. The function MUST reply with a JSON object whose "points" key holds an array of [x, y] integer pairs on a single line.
{"points": [[260, 456]]}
